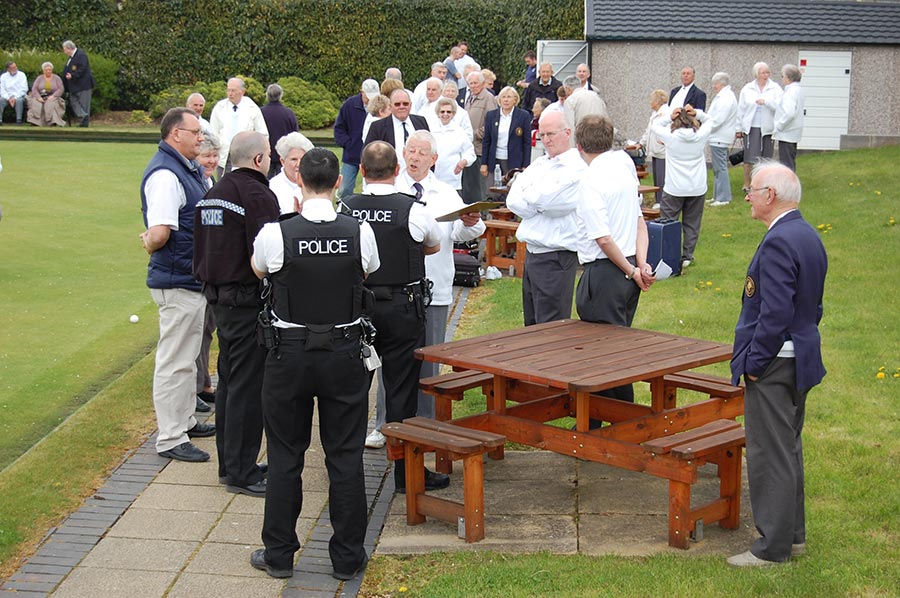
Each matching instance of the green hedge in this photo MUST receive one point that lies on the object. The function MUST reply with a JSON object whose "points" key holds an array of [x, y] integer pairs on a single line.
{"points": [[105, 72], [337, 43]]}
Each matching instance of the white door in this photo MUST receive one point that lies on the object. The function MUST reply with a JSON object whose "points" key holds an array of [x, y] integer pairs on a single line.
{"points": [[564, 55], [826, 87]]}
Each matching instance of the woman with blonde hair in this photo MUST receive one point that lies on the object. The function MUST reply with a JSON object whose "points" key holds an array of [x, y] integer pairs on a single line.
{"points": [[651, 143]]}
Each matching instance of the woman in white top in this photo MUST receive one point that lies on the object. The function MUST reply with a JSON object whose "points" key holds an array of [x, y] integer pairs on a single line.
{"points": [[454, 147], [286, 184], [756, 117], [461, 118], [209, 157], [650, 142], [378, 108], [685, 186]]}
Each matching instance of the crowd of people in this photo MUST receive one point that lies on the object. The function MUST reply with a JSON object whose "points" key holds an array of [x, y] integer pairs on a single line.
{"points": [[311, 298]]}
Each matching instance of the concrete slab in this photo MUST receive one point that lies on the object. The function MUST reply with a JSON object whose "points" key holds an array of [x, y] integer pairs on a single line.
{"points": [[528, 465], [174, 497], [87, 582], [157, 524], [194, 474], [197, 585], [140, 555], [237, 528], [313, 502], [216, 558]]}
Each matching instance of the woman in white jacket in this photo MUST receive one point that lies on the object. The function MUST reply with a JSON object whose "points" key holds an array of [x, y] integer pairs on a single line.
{"points": [[723, 115], [651, 144], [789, 117], [756, 113], [685, 188]]}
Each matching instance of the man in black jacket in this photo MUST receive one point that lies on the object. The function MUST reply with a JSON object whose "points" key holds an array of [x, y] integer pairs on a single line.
{"points": [[396, 129], [78, 81]]}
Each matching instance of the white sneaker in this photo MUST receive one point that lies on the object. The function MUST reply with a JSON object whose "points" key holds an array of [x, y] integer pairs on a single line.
{"points": [[718, 203], [748, 559], [375, 440], [655, 206], [685, 264]]}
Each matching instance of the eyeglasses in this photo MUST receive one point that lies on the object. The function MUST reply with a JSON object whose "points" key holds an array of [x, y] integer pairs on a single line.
{"points": [[398, 104], [547, 134], [752, 190], [446, 112], [192, 131]]}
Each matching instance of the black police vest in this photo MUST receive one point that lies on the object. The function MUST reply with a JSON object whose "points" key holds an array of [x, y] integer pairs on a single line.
{"points": [[320, 281], [402, 257]]}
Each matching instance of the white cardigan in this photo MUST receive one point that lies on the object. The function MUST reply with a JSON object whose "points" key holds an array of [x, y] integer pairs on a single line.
{"points": [[789, 115], [747, 105]]}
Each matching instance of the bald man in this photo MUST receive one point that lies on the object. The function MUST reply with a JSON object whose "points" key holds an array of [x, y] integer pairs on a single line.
{"points": [[234, 114]]}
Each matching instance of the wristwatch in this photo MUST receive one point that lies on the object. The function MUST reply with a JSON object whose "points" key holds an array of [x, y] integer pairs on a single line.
{"points": [[631, 276]]}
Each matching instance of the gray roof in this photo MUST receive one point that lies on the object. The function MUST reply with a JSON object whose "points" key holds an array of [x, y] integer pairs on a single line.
{"points": [[803, 21]]}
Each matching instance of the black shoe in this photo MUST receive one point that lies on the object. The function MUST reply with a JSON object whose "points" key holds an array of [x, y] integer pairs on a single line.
{"points": [[433, 481], [349, 576], [258, 561], [202, 407], [209, 397], [202, 431], [258, 489], [263, 469], [186, 452]]}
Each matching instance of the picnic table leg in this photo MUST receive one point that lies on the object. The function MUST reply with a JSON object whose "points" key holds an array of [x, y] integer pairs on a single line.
{"points": [[662, 396], [473, 497], [582, 411], [679, 514], [496, 401], [729, 470], [443, 411], [415, 482]]}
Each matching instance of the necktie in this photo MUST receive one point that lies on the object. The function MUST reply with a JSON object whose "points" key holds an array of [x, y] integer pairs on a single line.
{"points": [[234, 108], [405, 132], [469, 101], [419, 189]]}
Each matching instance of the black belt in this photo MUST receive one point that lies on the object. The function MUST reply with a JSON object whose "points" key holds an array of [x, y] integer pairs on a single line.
{"points": [[354, 331]]}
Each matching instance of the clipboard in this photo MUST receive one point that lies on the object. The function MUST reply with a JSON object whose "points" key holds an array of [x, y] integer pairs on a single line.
{"points": [[479, 206]]}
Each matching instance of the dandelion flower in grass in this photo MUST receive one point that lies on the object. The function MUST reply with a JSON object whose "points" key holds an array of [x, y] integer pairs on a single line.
{"points": [[403, 588], [880, 375], [881, 369], [895, 375], [877, 192], [709, 283], [821, 227], [718, 289]]}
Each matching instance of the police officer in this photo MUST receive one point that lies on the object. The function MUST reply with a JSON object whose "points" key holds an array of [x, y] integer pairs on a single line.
{"points": [[316, 262], [229, 217], [406, 232]]}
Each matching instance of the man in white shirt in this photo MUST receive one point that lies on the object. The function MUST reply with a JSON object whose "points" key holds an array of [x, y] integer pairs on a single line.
{"points": [[197, 103], [433, 89], [419, 98], [584, 74], [545, 196], [612, 234], [723, 111], [461, 63], [233, 115], [13, 89], [789, 117], [688, 93]]}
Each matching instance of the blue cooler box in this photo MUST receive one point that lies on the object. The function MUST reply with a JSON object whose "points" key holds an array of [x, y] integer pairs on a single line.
{"points": [[665, 244]]}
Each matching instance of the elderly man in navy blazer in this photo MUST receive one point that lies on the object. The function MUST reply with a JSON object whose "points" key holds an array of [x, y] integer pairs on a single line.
{"points": [[396, 128], [687, 93], [777, 349]]}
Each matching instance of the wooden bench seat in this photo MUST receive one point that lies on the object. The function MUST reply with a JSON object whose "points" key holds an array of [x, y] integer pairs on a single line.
{"points": [[719, 442], [416, 436], [714, 386]]}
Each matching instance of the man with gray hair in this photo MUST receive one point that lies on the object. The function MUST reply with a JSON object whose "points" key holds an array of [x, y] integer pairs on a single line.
{"points": [[439, 72], [433, 89], [778, 353], [226, 221], [13, 89], [789, 117], [280, 120], [723, 111], [393, 72], [232, 115], [78, 81], [580, 102], [544, 86], [197, 103]]}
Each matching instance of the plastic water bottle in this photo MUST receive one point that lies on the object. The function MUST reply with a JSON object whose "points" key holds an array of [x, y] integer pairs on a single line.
{"points": [[498, 176]]}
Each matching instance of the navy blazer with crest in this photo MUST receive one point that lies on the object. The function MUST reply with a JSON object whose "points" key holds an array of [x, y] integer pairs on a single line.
{"points": [[518, 146]]}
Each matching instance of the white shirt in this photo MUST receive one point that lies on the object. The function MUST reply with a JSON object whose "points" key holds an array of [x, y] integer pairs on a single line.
{"points": [[453, 145], [460, 119], [165, 198], [268, 247], [460, 65], [748, 109], [422, 226], [503, 135], [723, 114], [685, 156], [545, 196], [399, 142], [13, 86], [419, 99], [680, 95], [789, 115], [649, 141], [370, 118], [225, 123], [608, 205], [285, 190], [441, 199]]}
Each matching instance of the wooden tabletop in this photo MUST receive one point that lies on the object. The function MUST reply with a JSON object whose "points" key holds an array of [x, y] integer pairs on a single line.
{"points": [[578, 356]]}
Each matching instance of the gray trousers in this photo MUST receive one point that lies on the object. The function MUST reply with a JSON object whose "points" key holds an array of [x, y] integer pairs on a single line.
{"points": [[787, 154], [19, 108], [721, 182], [547, 286], [773, 418], [659, 176], [209, 326], [435, 334], [691, 211], [80, 102]]}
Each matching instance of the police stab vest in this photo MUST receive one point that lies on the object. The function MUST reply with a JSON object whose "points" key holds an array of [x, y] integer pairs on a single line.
{"points": [[402, 257], [321, 280]]}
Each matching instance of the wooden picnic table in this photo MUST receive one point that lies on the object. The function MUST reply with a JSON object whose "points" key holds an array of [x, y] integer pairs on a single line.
{"points": [[554, 370]]}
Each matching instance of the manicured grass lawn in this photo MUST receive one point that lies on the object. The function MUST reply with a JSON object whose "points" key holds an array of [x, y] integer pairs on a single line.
{"points": [[852, 449]]}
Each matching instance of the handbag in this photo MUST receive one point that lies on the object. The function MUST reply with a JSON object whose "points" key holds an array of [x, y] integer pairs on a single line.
{"points": [[736, 157]]}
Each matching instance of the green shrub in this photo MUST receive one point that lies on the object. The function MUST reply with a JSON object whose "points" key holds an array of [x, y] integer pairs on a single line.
{"points": [[315, 106], [139, 117], [177, 95], [104, 70]]}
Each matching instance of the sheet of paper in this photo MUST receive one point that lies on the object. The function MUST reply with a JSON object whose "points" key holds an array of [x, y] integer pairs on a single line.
{"points": [[663, 270]]}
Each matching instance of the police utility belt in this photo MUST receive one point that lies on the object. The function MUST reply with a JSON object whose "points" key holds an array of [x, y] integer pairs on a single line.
{"points": [[418, 292]]}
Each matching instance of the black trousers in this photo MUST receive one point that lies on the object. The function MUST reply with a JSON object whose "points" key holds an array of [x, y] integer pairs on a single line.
{"points": [[294, 378], [605, 296], [238, 407], [547, 286]]}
